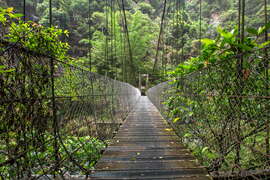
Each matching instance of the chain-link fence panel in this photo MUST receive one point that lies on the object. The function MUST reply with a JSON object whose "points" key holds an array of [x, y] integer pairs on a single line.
{"points": [[54, 116], [222, 116]]}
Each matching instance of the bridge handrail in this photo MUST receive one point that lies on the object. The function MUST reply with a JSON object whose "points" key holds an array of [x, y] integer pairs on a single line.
{"points": [[52, 116], [218, 115]]}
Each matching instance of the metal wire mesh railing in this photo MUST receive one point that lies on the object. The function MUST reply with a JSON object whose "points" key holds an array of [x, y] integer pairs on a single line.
{"points": [[53, 115], [222, 117]]}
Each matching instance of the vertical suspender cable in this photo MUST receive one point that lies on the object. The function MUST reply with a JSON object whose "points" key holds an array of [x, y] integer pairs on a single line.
{"points": [[200, 38], [114, 39], [239, 88], [164, 37], [122, 47], [239, 70], [174, 24], [241, 81], [200, 22], [178, 28], [266, 67], [163, 46], [239, 19], [24, 10], [106, 36], [113, 35], [112, 57], [241, 29], [129, 44], [122, 43], [89, 36], [50, 13], [265, 23], [163, 52], [55, 123], [243, 22], [111, 38], [159, 37], [183, 20]]}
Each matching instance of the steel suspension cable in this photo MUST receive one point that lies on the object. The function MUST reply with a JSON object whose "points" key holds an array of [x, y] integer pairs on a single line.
{"points": [[240, 83], [24, 10], [168, 27], [177, 30], [171, 28], [163, 42], [89, 36], [111, 39], [266, 67], [174, 12], [200, 22], [55, 123], [159, 36], [183, 20], [128, 40], [115, 39], [106, 31], [122, 44]]}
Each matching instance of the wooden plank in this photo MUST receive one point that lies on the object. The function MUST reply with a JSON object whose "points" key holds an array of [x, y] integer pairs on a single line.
{"points": [[145, 147]]}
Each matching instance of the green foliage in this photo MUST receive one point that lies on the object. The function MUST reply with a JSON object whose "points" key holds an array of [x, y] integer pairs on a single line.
{"points": [[33, 36], [87, 155], [142, 32], [223, 48], [26, 137], [146, 8], [211, 104], [4, 69], [71, 15], [85, 150]]}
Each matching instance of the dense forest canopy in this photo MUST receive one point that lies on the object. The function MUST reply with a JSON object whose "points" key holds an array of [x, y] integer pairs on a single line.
{"points": [[103, 32]]}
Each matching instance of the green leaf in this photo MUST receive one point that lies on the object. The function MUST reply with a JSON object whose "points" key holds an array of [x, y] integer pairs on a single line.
{"points": [[187, 135], [235, 31], [2, 19], [252, 31], [4, 70], [264, 44], [208, 42], [267, 26], [184, 66], [7, 71], [176, 119], [245, 47], [225, 34], [205, 149], [219, 30], [261, 30], [18, 15], [10, 70]]}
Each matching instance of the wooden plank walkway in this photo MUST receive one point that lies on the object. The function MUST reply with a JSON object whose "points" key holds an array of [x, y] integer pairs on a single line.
{"points": [[146, 148]]}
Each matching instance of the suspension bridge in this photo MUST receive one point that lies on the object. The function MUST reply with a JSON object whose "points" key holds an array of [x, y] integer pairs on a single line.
{"points": [[72, 103], [62, 120], [66, 107]]}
